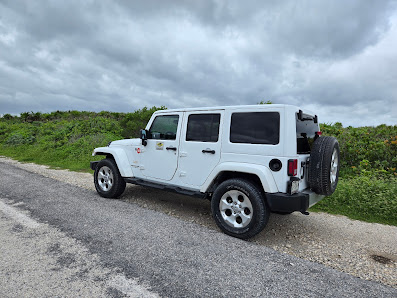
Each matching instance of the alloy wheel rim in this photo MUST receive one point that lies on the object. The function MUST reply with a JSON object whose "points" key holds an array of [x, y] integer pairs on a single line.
{"points": [[334, 166], [236, 209], [105, 178]]}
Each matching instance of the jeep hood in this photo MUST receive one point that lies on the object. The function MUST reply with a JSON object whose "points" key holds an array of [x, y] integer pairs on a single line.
{"points": [[126, 142]]}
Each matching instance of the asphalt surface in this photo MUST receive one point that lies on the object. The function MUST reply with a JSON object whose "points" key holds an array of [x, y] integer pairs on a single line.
{"points": [[170, 256]]}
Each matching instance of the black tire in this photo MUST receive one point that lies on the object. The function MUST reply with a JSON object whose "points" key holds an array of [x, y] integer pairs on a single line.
{"points": [[324, 165], [110, 184], [235, 221]]}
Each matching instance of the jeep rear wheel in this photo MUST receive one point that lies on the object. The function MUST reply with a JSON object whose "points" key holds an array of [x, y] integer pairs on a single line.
{"points": [[107, 179], [324, 165], [239, 209]]}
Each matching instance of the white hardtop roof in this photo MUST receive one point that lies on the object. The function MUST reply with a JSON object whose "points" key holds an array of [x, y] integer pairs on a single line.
{"points": [[242, 107]]}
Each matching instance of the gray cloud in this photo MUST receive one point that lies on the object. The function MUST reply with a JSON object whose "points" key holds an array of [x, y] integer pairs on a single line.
{"points": [[123, 55]]}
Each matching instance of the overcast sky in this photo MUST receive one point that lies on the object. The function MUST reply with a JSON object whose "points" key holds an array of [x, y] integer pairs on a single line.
{"points": [[336, 58]]}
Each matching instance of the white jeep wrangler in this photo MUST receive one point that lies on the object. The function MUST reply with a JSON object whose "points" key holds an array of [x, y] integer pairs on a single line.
{"points": [[248, 160]]}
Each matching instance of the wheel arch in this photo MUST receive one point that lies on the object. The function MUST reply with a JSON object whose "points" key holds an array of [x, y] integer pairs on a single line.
{"points": [[119, 156], [258, 174]]}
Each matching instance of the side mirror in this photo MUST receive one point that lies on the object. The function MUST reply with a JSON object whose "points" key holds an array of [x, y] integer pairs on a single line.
{"points": [[143, 136]]}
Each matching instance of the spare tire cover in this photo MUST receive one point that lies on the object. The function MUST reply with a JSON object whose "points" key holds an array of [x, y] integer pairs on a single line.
{"points": [[324, 165]]}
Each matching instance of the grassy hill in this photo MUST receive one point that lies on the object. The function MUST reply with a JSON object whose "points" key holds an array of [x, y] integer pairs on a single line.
{"points": [[368, 182]]}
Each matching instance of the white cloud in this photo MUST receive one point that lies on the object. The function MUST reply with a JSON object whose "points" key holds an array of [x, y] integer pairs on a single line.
{"points": [[120, 56]]}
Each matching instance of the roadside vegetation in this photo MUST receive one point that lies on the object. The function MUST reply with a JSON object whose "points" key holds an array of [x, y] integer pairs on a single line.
{"points": [[367, 188], [66, 139]]}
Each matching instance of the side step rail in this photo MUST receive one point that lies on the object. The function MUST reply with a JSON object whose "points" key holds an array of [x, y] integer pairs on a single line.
{"points": [[167, 187]]}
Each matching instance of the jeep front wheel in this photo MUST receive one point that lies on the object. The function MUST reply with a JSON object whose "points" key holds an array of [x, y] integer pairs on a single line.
{"points": [[107, 179], [239, 209]]}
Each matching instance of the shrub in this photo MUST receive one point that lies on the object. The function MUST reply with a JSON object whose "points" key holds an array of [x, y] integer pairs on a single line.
{"points": [[17, 139], [7, 116], [375, 145]]}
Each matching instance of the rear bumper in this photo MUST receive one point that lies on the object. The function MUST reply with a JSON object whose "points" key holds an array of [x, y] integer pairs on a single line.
{"points": [[302, 201]]}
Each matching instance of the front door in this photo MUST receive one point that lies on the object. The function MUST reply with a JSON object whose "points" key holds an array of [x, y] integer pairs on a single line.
{"points": [[159, 158], [200, 150]]}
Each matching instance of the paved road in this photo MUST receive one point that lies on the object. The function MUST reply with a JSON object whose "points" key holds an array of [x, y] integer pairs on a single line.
{"points": [[140, 249]]}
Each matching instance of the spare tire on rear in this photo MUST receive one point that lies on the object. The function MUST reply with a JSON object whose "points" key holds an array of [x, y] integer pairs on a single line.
{"points": [[324, 165]]}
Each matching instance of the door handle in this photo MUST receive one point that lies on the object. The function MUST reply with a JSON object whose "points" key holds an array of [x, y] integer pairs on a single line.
{"points": [[171, 148], [208, 151]]}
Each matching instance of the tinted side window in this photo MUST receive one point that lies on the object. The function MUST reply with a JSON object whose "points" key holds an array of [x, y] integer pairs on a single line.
{"points": [[255, 128], [203, 127], [164, 127]]}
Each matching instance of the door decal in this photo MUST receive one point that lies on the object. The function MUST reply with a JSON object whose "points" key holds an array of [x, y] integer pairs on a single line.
{"points": [[159, 146]]}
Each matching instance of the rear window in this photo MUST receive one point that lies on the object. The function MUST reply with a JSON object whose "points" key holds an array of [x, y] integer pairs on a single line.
{"points": [[305, 133], [255, 128]]}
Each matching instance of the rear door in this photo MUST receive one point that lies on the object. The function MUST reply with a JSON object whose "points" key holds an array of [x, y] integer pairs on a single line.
{"points": [[305, 136], [200, 150], [159, 158]]}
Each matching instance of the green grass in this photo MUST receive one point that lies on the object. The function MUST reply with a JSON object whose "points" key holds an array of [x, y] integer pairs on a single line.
{"points": [[69, 157], [365, 198], [66, 139]]}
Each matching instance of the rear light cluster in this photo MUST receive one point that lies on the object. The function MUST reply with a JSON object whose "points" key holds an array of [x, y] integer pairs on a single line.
{"points": [[292, 167]]}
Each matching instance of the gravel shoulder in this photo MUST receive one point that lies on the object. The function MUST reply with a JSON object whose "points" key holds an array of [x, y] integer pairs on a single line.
{"points": [[365, 250]]}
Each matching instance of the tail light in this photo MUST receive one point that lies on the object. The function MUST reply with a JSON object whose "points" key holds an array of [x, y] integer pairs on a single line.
{"points": [[319, 133], [292, 167]]}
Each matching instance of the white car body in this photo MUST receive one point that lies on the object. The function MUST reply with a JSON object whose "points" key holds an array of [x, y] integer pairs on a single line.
{"points": [[248, 160], [189, 168]]}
